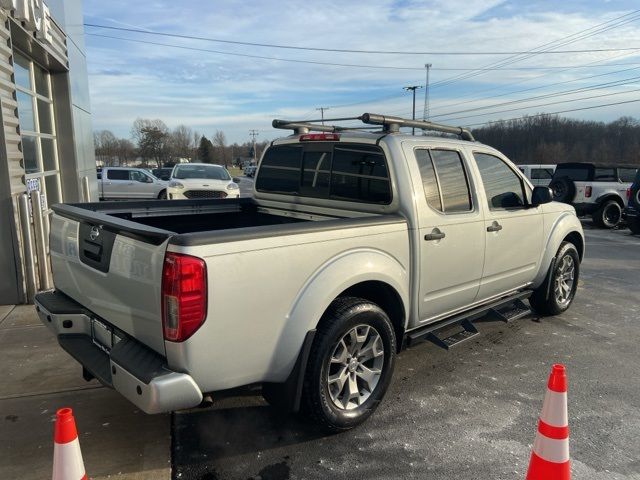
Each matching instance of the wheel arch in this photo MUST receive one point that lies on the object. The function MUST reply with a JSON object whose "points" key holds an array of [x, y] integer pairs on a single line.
{"points": [[387, 298], [363, 272], [610, 196], [567, 227]]}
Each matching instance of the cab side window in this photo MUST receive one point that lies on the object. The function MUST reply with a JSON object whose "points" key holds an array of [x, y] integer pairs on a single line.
{"points": [[445, 182], [118, 174], [503, 187], [137, 176]]}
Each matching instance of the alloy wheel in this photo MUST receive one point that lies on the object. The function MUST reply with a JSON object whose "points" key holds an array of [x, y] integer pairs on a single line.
{"points": [[564, 280], [355, 367]]}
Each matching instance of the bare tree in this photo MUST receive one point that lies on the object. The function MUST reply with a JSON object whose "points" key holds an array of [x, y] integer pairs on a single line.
{"points": [[182, 142], [152, 138], [220, 142], [105, 144]]}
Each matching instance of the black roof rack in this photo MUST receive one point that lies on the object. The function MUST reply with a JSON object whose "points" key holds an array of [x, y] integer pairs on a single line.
{"points": [[388, 123]]}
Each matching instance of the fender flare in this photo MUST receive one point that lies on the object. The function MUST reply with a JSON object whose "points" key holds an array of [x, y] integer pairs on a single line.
{"points": [[564, 225], [610, 196], [333, 277]]}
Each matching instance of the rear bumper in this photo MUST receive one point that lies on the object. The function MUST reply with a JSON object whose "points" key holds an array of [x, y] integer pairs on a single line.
{"points": [[137, 372]]}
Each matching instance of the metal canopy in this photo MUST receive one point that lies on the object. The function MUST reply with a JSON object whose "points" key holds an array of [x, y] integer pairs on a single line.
{"points": [[388, 123]]}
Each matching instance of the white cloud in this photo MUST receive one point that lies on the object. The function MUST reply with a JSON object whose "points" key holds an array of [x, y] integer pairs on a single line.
{"points": [[210, 91]]}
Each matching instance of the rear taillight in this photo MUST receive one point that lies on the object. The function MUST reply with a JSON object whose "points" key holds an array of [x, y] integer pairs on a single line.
{"points": [[184, 295], [587, 191], [629, 193]]}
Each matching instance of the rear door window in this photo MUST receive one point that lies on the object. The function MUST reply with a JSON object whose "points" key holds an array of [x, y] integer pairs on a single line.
{"points": [[627, 175], [445, 182], [118, 174], [605, 175]]}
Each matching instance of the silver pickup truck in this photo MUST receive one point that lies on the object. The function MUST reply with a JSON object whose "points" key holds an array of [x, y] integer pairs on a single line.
{"points": [[357, 244]]}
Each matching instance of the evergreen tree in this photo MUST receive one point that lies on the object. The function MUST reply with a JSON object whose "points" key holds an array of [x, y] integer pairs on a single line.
{"points": [[205, 150]]}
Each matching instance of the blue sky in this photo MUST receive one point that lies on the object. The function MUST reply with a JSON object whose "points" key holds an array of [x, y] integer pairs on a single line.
{"points": [[213, 91]]}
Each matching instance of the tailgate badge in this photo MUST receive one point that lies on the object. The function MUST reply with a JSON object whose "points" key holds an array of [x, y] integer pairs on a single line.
{"points": [[95, 233]]}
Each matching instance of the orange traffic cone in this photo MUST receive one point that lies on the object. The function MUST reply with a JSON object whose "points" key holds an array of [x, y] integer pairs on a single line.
{"points": [[67, 458], [550, 455]]}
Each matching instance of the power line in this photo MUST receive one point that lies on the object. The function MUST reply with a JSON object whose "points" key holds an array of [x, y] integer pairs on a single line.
{"points": [[590, 97], [547, 47], [322, 109], [587, 88], [247, 55], [553, 113], [313, 62], [344, 50], [531, 88]]}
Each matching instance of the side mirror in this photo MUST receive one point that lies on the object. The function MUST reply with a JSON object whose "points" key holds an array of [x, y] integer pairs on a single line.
{"points": [[540, 196], [235, 180]]}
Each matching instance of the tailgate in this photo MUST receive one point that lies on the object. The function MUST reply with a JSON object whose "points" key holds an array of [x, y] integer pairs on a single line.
{"points": [[115, 275]]}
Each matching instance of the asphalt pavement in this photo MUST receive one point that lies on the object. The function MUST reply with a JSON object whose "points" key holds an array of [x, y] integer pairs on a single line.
{"points": [[466, 414]]}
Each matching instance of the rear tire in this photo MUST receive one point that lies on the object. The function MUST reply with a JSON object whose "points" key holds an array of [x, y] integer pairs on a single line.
{"points": [[608, 215], [634, 226], [350, 364], [557, 292]]}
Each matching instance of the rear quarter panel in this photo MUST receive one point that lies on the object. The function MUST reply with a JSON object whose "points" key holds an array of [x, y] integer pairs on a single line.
{"points": [[265, 294]]}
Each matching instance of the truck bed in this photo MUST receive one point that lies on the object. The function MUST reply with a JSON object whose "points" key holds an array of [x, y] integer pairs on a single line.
{"points": [[108, 256]]}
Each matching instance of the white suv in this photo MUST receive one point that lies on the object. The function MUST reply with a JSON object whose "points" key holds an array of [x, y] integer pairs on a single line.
{"points": [[596, 190]]}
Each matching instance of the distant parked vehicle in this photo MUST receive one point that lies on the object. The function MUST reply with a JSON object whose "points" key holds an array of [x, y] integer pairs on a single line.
{"points": [[539, 175], [118, 183], [632, 212], [162, 173], [202, 180], [596, 190], [250, 170]]}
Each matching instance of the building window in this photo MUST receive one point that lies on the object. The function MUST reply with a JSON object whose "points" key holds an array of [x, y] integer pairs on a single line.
{"points": [[37, 128]]}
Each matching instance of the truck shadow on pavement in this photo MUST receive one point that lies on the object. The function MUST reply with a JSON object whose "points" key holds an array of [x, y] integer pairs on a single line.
{"points": [[219, 443]]}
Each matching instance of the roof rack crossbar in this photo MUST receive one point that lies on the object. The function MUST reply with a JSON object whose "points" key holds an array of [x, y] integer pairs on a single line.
{"points": [[388, 123]]}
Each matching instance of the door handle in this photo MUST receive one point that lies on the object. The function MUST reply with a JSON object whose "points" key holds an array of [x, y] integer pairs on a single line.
{"points": [[494, 227], [435, 234]]}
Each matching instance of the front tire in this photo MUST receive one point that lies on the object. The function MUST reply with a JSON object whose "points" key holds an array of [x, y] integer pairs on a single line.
{"points": [[350, 364], [162, 195], [608, 215], [557, 292]]}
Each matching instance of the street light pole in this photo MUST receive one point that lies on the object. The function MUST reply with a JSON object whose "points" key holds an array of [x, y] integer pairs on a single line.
{"points": [[413, 88]]}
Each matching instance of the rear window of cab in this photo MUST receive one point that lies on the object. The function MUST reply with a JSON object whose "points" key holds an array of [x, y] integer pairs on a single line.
{"points": [[336, 171]]}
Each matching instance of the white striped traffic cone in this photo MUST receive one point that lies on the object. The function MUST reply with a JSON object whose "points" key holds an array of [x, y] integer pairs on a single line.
{"points": [[550, 455], [67, 458]]}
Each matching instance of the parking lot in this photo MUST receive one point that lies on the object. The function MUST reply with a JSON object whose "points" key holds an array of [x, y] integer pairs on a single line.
{"points": [[469, 413]]}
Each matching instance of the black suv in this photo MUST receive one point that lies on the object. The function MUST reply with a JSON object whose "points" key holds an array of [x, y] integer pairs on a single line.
{"points": [[632, 213], [596, 190]]}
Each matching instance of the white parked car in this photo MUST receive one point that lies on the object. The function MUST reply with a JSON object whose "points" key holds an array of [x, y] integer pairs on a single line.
{"points": [[538, 174], [201, 180]]}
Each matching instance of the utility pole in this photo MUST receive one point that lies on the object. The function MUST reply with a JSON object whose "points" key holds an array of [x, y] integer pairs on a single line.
{"points": [[254, 134], [425, 114], [322, 109], [413, 88]]}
